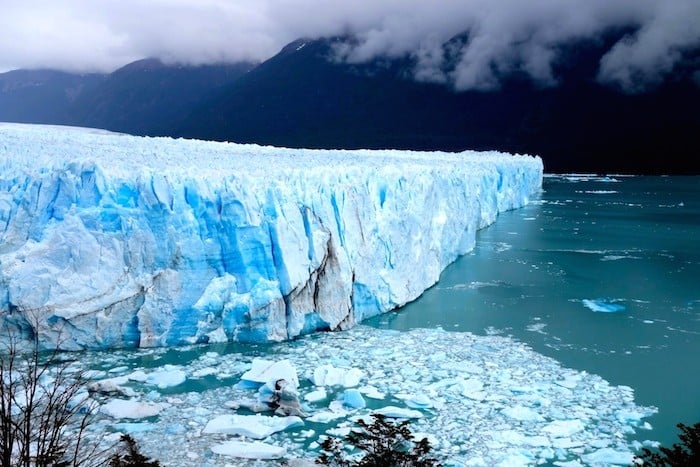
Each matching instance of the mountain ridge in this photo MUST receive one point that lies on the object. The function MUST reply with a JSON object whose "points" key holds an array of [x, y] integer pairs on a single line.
{"points": [[305, 97]]}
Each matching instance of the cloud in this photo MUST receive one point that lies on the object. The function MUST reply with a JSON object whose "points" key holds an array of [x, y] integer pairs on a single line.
{"points": [[469, 44], [648, 56]]}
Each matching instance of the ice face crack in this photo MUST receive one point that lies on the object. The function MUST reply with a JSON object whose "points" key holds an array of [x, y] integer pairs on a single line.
{"points": [[155, 242]]}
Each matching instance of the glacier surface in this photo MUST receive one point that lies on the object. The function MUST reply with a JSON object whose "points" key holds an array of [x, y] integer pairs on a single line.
{"points": [[110, 240]]}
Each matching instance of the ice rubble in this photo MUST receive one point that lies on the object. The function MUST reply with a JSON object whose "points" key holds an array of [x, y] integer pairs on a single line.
{"points": [[532, 410], [109, 240]]}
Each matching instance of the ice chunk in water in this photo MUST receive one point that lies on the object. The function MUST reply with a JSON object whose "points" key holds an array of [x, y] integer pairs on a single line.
{"points": [[353, 398], [608, 456], [523, 414], [265, 371], [563, 428], [421, 401], [397, 412], [602, 306], [119, 408], [249, 450], [134, 427], [328, 375], [251, 426], [316, 396], [167, 377]]}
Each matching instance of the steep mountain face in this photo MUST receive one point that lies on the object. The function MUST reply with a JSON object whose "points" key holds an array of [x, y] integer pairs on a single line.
{"points": [[148, 97], [302, 98], [41, 96]]}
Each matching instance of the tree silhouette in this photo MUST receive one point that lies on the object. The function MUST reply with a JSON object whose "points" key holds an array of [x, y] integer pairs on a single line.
{"points": [[383, 442], [44, 410], [684, 454], [132, 457]]}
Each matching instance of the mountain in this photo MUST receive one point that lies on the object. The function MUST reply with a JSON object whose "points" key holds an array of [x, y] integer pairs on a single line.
{"points": [[41, 96], [145, 97], [302, 98], [148, 97]]}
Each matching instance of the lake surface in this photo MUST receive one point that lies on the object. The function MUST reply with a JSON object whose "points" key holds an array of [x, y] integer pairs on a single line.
{"points": [[601, 274]]}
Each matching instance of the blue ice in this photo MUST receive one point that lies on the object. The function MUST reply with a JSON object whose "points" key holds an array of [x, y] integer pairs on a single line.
{"points": [[602, 306], [120, 241]]}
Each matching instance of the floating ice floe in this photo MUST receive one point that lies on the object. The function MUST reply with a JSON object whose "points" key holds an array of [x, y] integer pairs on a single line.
{"points": [[265, 371], [353, 398], [119, 408], [111, 386], [249, 450], [316, 396], [608, 456], [532, 409], [420, 401], [602, 306], [251, 426], [522, 414], [327, 416], [167, 377], [564, 428], [372, 392], [133, 428], [328, 375], [391, 411]]}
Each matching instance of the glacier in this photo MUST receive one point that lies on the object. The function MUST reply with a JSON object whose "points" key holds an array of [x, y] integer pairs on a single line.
{"points": [[116, 241]]}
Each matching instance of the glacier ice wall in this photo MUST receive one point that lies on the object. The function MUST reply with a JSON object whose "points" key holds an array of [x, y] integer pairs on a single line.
{"points": [[110, 240]]}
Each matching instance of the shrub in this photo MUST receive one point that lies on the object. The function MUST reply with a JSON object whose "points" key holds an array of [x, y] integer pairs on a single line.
{"points": [[383, 443], [132, 457], [685, 454], [44, 410]]}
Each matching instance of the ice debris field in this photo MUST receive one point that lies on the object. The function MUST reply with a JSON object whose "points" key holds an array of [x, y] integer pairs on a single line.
{"points": [[115, 241], [480, 400]]}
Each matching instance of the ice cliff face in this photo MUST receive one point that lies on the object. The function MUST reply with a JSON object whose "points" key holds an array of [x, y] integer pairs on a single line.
{"points": [[110, 240]]}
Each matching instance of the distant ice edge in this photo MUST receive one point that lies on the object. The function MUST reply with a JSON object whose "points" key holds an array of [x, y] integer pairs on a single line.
{"points": [[206, 242]]}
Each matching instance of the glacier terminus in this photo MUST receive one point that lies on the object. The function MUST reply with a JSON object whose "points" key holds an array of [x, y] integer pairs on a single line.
{"points": [[115, 241]]}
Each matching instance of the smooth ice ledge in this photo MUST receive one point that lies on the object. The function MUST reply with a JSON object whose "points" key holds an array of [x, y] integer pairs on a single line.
{"points": [[266, 371], [167, 377], [248, 450], [110, 240], [119, 408], [602, 306], [251, 426]]}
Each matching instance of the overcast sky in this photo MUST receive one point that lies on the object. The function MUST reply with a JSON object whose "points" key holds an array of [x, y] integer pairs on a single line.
{"points": [[505, 35]]}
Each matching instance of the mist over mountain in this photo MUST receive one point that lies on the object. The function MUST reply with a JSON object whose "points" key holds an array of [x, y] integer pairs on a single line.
{"points": [[303, 97], [308, 95]]}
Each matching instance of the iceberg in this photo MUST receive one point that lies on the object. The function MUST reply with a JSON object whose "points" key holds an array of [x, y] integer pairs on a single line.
{"points": [[116, 241], [249, 450], [121, 408], [266, 371], [251, 426]]}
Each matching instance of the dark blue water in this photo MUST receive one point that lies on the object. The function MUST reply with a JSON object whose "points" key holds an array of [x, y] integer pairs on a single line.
{"points": [[602, 274]]}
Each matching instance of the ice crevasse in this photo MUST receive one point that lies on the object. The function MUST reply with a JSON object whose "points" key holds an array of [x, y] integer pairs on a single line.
{"points": [[110, 240]]}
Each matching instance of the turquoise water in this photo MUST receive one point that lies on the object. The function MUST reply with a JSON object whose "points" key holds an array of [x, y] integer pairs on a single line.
{"points": [[599, 273]]}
